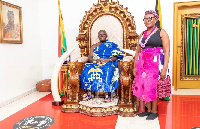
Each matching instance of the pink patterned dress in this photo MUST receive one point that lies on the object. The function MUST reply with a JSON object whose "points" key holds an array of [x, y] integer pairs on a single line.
{"points": [[147, 74], [149, 65]]}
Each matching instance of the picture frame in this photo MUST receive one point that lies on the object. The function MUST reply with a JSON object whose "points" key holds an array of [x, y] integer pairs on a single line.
{"points": [[11, 23], [104, 0]]}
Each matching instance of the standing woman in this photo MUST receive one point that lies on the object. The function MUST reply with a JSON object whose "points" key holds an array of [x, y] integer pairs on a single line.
{"points": [[151, 63]]}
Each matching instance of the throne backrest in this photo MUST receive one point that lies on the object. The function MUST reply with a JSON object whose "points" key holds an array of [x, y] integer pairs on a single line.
{"points": [[113, 28], [109, 16]]}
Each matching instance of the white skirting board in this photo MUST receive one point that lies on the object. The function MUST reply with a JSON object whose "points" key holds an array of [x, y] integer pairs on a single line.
{"points": [[17, 97], [20, 102]]}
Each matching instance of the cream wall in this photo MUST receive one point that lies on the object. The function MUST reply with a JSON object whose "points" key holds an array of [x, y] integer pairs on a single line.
{"points": [[22, 65]]}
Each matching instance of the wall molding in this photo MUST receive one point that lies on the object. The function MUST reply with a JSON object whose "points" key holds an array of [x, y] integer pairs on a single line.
{"points": [[17, 97]]}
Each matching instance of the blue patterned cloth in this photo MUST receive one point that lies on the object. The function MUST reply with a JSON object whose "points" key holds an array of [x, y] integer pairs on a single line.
{"points": [[102, 77]]}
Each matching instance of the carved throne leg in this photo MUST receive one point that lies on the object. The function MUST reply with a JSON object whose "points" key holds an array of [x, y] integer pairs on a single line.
{"points": [[77, 92], [122, 94], [129, 98], [69, 95]]}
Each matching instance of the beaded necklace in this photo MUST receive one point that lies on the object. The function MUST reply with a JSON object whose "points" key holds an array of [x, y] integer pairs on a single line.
{"points": [[146, 37]]}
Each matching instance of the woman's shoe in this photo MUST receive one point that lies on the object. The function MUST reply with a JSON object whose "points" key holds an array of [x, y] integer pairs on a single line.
{"points": [[146, 113], [152, 116]]}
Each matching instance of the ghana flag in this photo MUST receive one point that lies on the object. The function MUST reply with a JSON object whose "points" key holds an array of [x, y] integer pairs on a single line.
{"points": [[62, 47], [158, 10]]}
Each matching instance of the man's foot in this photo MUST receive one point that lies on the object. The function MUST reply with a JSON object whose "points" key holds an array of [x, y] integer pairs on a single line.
{"points": [[152, 116], [86, 97], [146, 113], [107, 99]]}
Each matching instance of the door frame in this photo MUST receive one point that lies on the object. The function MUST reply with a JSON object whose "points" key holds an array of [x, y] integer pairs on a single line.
{"points": [[176, 44]]}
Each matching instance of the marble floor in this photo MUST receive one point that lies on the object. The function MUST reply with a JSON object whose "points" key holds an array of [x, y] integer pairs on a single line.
{"points": [[182, 112]]}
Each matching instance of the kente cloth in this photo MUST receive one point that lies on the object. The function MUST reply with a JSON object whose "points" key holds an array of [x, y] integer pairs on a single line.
{"points": [[149, 65], [105, 77]]}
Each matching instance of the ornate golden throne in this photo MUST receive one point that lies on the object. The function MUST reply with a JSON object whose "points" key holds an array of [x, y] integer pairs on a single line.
{"points": [[121, 29]]}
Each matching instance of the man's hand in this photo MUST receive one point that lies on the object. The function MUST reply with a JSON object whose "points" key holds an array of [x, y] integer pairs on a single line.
{"points": [[102, 61]]}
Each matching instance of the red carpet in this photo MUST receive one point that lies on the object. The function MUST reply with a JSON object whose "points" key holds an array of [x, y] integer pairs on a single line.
{"points": [[182, 112]]}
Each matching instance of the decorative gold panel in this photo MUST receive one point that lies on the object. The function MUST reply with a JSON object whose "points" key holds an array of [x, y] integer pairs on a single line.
{"points": [[106, 7]]}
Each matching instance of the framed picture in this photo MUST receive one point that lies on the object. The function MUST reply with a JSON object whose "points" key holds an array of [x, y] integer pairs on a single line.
{"points": [[11, 23]]}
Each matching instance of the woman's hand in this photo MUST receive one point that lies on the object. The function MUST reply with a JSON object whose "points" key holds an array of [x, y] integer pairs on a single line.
{"points": [[163, 74]]}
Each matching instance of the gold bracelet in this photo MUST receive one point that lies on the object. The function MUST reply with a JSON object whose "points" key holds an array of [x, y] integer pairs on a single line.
{"points": [[94, 61]]}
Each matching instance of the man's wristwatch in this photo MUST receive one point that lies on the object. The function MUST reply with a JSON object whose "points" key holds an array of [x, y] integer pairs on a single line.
{"points": [[110, 59]]}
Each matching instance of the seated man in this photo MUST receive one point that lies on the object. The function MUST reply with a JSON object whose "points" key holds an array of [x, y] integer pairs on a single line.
{"points": [[102, 73]]}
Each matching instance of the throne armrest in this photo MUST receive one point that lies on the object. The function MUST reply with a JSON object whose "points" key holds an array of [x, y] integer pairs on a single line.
{"points": [[83, 59], [128, 58]]}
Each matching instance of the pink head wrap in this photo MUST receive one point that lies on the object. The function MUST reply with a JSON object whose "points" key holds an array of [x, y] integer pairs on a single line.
{"points": [[152, 12]]}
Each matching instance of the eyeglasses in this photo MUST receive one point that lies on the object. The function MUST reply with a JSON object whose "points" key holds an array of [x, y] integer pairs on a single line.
{"points": [[148, 19]]}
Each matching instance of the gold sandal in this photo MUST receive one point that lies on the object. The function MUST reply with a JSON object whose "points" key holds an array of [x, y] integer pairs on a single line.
{"points": [[87, 97], [107, 99]]}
